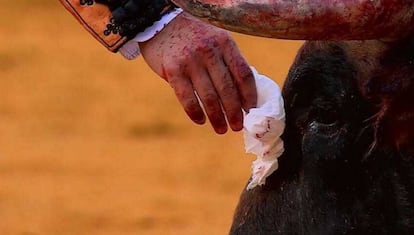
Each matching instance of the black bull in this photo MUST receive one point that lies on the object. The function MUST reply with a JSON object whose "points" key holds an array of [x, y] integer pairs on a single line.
{"points": [[338, 175], [348, 165]]}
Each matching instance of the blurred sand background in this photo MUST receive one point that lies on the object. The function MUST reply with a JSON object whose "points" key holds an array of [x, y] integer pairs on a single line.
{"points": [[91, 143]]}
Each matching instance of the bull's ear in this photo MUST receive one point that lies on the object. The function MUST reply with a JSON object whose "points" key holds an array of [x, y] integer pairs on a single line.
{"points": [[308, 20]]}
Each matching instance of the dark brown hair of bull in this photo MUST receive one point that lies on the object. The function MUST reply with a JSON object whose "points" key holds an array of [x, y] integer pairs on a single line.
{"points": [[392, 87]]}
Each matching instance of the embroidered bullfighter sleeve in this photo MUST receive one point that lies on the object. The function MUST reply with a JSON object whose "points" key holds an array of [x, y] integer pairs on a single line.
{"points": [[114, 23]]}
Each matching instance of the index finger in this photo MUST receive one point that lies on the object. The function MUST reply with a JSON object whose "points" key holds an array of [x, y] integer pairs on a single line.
{"points": [[242, 75]]}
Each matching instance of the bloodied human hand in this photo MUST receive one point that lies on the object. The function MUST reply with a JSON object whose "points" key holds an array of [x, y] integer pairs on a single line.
{"points": [[206, 70]]}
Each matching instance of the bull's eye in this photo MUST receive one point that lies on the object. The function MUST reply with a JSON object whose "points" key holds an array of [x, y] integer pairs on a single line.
{"points": [[326, 117], [325, 113]]}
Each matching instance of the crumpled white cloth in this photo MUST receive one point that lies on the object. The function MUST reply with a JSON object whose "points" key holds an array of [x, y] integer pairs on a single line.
{"points": [[263, 127], [130, 50]]}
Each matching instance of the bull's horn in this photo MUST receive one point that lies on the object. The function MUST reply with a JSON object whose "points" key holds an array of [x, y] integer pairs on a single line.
{"points": [[308, 19]]}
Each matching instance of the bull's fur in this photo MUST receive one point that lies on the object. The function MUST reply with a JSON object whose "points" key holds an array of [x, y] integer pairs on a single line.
{"points": [[348, 166]]}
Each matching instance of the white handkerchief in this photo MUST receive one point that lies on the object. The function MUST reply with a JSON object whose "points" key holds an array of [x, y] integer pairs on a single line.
{"points": [[263, 127]]}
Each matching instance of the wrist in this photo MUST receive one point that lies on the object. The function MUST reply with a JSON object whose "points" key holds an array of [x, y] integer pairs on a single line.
{"points": [[131, 50]]}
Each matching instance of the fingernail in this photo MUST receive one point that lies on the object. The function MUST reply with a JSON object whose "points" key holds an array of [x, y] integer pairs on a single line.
{"points": [[221, 130], [200, 120]]}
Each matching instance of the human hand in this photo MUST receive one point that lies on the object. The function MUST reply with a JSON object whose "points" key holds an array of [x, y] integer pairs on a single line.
{"points": [[198, 59]]}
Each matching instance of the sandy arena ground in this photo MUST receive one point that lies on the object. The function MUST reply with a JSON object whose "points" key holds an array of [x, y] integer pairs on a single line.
{"points": [[91, 143]]}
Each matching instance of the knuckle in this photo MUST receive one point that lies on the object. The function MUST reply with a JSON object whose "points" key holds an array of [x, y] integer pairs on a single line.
{"points": [[182, 92], [224, 36], [190, 104], [186, 54], [245, 74], [172, 69], [225, 39], [179, 92], [205, 49], [227, 87], [210, 100], [177, 68]]}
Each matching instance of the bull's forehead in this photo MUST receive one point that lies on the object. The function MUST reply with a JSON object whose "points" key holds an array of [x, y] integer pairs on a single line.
{"points": [[308, 19]]}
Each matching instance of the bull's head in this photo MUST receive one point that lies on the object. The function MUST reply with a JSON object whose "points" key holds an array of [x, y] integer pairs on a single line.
{"points": [[308, 19], [348, 162]]}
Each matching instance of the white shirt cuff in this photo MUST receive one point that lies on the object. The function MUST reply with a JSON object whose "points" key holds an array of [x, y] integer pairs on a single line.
{"points": [[130, 50]]}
